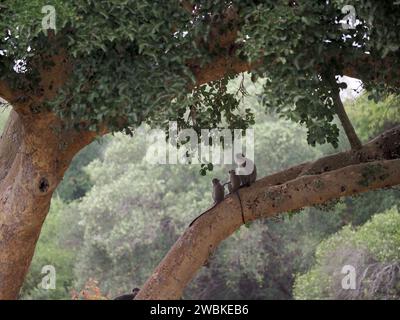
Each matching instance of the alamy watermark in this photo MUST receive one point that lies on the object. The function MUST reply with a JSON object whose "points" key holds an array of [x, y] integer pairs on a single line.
{"points": [[349, 280], [349, 21], [49, 20], [49, 280], [215, 146]]}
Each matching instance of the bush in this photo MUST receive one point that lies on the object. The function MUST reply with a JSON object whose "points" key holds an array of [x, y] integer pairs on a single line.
{"points": [[373, 251]]}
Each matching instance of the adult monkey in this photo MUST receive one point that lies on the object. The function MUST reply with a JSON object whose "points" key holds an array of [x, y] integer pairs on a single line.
{"points": [[247, 170], [218, 194]]}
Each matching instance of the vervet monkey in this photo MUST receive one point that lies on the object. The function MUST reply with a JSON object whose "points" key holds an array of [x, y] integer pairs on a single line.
{"points": [[234, 184], [218, 195], [247, 170], [218, 191]]}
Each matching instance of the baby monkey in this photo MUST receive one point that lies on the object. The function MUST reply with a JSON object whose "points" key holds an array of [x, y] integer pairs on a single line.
{"points": [[218, 191], [234, 184]]}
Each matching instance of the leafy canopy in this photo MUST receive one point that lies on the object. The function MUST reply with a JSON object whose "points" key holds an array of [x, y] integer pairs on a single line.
{"points": [[135, 61]]}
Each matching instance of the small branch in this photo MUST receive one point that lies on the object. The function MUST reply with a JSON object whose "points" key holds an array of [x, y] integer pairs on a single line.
{"points": [[355, 142]]}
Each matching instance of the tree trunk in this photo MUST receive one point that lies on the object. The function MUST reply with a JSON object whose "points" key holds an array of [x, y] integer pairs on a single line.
{"points": [[34, 154], [287, 191]]}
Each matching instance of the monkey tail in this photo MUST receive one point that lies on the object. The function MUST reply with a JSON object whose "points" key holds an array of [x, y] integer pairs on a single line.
{"points": [[241, 207], [202, 214]]}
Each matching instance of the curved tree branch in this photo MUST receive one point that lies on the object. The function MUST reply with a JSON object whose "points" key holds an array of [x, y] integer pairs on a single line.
{"points": [[378, 168]]}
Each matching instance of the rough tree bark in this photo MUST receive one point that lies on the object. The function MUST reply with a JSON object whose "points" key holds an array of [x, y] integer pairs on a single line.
{"points": [[35, 151], [376, 165], [34, 154]]}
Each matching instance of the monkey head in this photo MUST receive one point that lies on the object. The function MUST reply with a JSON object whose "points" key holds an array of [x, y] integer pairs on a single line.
{"points": [[240, 159], [215, 181]]}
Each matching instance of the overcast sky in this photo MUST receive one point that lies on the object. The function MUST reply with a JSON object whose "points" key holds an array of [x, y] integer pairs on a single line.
{"points": [[354, 88]]}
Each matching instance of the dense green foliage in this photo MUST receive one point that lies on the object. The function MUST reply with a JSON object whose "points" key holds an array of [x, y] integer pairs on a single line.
{"points": [[76, 181], [373, 250], [133, 61], [371, 118]]}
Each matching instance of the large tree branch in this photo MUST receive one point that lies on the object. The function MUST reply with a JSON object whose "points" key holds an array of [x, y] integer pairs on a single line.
{"points": [[193, 248], [369, 67], [5, 91], [279, 193], [385, 146], [221, 67], [224, 65]]}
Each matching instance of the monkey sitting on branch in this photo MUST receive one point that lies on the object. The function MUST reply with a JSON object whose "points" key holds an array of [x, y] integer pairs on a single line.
{"points": [[246, 171], [234, 185], [218, 195], [247, 176]]}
